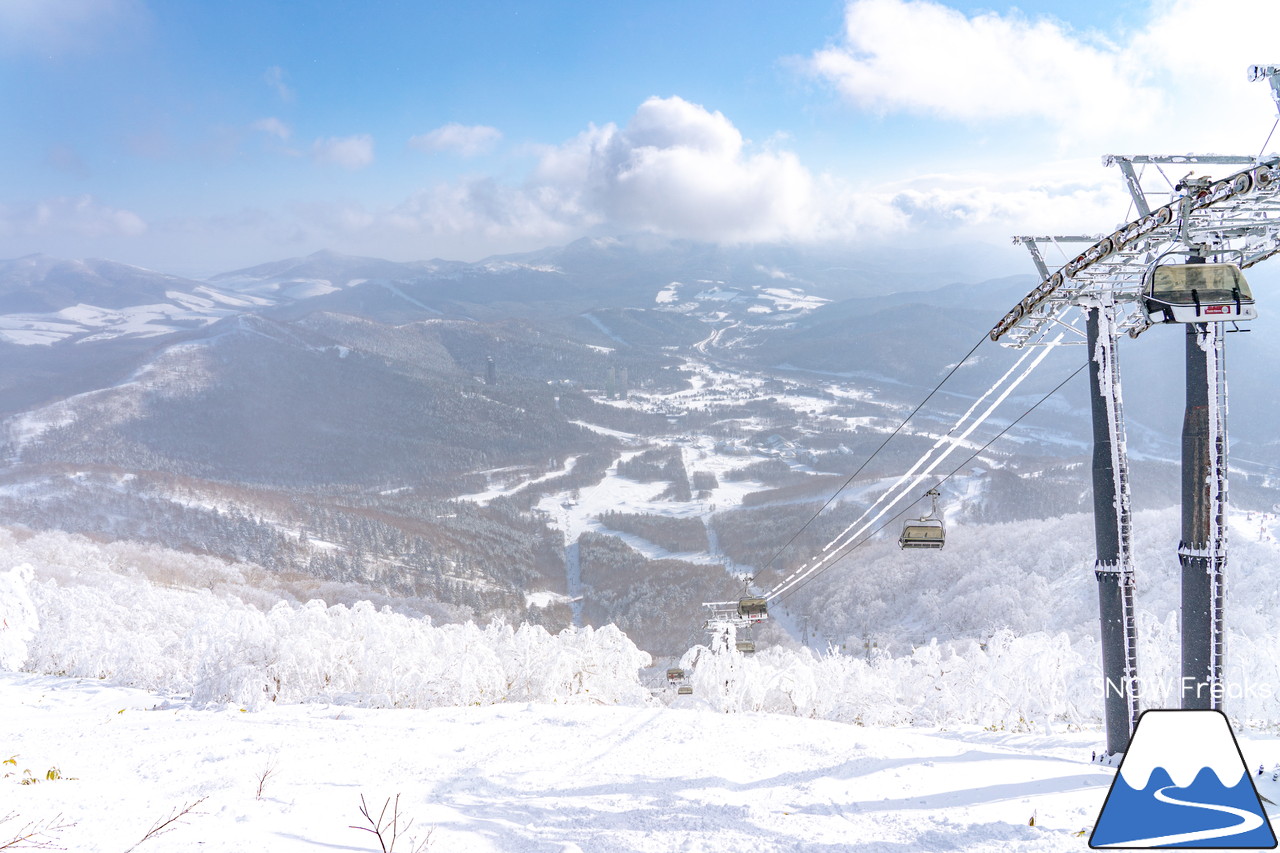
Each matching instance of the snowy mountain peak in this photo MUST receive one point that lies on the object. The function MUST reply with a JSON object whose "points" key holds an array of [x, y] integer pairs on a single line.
{"points": [[334, 270]]}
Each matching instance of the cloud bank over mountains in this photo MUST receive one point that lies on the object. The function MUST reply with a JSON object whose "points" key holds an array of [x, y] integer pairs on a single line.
{"points": [[675, 168], [1002, 118], [81, 216], [679, 169]]}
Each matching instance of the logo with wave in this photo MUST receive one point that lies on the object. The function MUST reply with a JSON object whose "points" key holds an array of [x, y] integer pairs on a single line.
{"points": [[1183, 783]]}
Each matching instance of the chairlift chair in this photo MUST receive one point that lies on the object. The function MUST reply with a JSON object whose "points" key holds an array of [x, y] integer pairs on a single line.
{"points": [[1197, 293], [684, 690], [747, 647], [926, 532], [753, 609], [675, 674]]}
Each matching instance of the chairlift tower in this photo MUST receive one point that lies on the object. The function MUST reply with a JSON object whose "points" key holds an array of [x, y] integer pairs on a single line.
{"points": [[726, 618], [1117, 283], [1113, 541]]}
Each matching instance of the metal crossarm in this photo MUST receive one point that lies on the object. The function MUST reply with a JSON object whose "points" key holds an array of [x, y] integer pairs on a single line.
{"points": [[1236, 218]]}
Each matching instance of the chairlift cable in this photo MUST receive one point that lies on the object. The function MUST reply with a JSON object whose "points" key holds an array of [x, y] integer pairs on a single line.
{"points": [[911, 472], [852, 547], [1263, 149], [895, 492], [1128, 213], [1058, 245], [874, 453], [898, 490], [1236, 460]]}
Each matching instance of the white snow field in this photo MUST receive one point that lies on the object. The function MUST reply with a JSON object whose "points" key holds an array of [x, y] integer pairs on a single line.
{"points": [[142, 688], [524, 777]]}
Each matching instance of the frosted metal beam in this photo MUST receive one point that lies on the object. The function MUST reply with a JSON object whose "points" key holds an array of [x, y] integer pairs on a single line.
{"points": [[1202, 552], [1113, 568]]}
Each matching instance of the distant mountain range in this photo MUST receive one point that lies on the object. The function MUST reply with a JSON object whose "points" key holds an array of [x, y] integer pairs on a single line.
{"points": [[46, 300], [850, 313], [324, 414]]}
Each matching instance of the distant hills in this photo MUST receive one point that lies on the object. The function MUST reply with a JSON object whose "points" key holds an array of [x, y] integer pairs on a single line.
{"points": [[46, 300], [851, 313], [337, 416]]}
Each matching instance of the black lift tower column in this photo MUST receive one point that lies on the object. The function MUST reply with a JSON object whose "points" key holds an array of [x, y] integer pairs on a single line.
{"points": [[1114, 565], [1203, 549]]}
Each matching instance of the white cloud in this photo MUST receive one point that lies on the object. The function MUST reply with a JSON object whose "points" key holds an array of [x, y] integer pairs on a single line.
{"points": [[995, 205], [675, 168], [349, 152], [75, 216], [1211, 104], [1177, 81], [486, 212], [923, 57], [1049, 99], [273, 127], [1024, 108], [342, 220], [678, 168], [467, 140], [274, 77]]}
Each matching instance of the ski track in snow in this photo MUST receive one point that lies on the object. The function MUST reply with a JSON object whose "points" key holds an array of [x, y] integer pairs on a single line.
{"points": [[528, 777], [483, 498], [396, 291], [608, 333]]}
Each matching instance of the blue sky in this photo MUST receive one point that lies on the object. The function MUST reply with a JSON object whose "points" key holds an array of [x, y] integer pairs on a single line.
{"points": [[199, 137]]}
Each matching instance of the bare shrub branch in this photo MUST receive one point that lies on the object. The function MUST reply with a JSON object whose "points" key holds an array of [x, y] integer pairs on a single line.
{"points": [[421, 846], [266, 774], [163, 825], [387, 828], [31, 836]]}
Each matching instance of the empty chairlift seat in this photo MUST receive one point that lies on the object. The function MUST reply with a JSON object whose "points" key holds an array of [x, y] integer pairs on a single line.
{"points": [[684, 690], [1197, 293], [926, 532], [923, 533], [747, 647]]}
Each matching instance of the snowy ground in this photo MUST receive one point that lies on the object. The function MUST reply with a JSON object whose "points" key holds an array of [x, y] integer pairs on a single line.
{"points": [[528, 777]]}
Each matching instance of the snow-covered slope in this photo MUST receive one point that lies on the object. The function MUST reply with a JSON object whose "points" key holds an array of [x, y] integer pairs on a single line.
{"points": [[525, 777], [47, 301], [320, 273], [502, 738]]}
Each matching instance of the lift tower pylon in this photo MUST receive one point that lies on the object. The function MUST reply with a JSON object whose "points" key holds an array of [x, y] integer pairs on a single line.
{"points": [[1112, 529], [1202, 553], [1236, 219]]}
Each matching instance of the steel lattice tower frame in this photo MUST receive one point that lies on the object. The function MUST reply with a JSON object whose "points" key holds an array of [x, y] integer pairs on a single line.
{"points": [[1235, 219]]}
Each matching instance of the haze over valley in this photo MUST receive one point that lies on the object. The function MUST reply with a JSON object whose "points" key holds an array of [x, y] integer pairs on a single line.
{"points": [[609, 432]]}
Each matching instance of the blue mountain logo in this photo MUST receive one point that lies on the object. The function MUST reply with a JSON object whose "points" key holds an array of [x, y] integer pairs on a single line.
{"points": [[1183, 783]]}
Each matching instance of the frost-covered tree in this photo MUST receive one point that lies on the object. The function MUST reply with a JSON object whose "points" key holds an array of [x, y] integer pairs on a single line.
{"points": [[18, 620]]}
